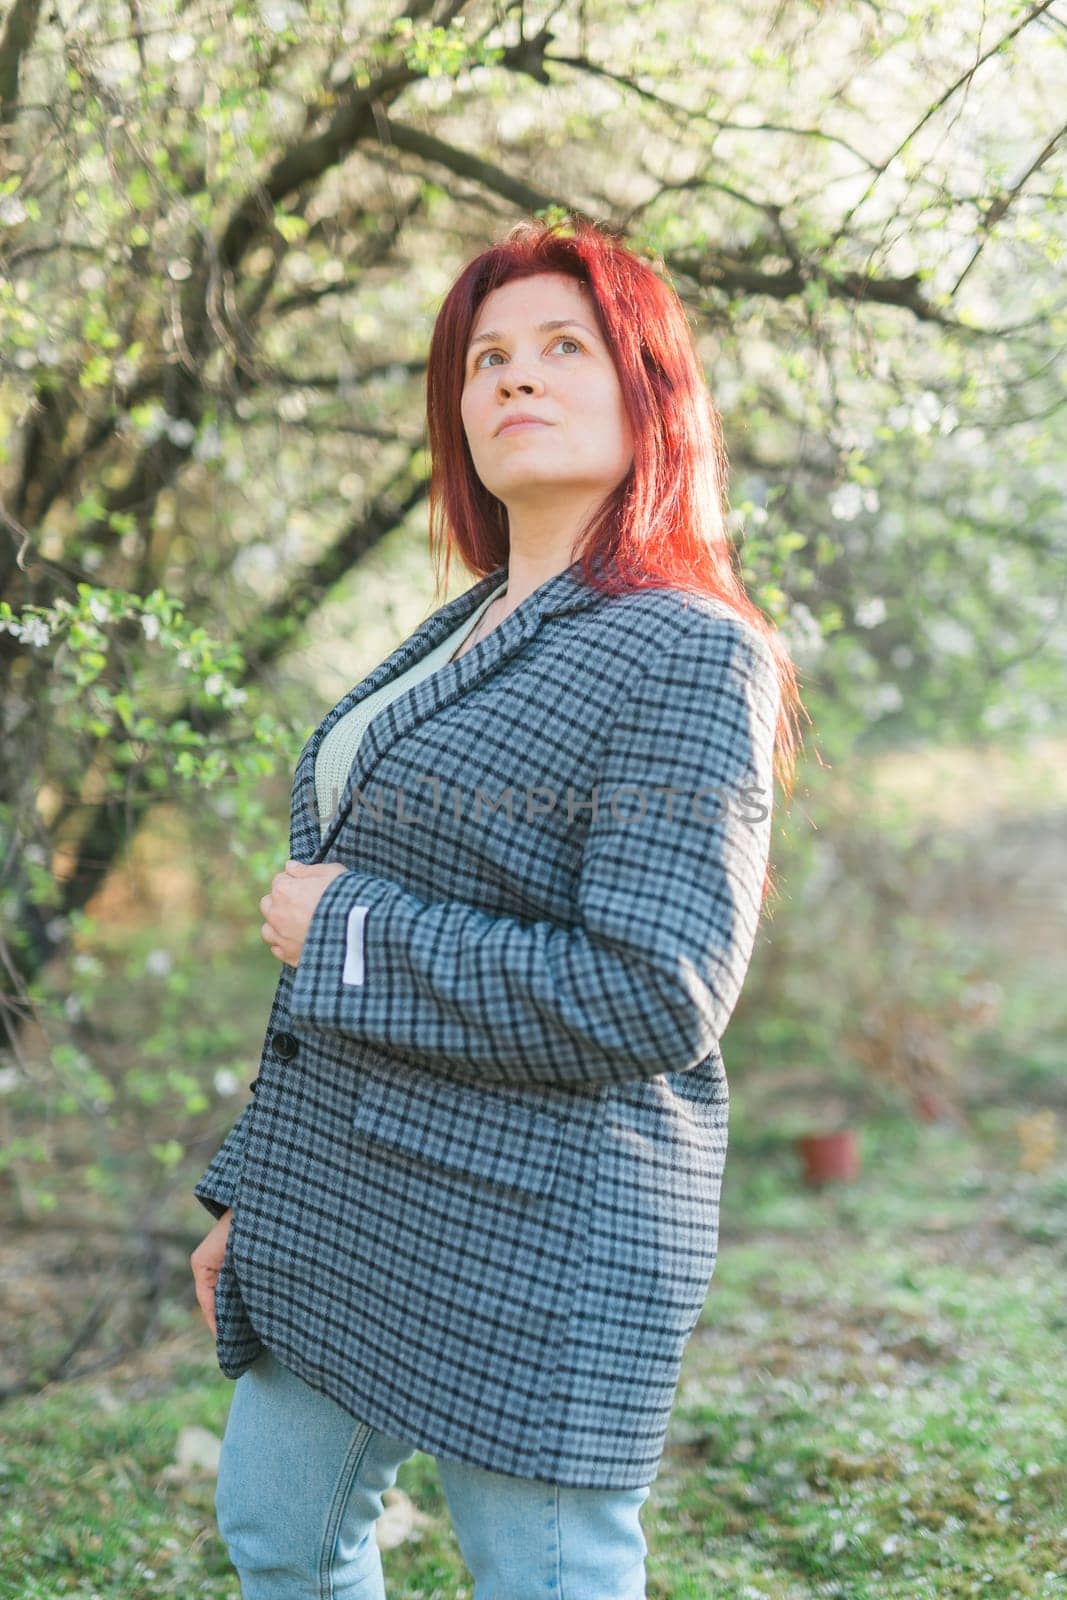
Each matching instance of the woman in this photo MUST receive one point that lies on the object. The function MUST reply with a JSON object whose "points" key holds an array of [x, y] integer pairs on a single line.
{"points": [[472, 1208]]}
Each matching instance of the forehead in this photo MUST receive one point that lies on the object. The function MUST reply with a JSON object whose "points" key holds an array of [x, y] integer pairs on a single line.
{"points": [[545, 294]]}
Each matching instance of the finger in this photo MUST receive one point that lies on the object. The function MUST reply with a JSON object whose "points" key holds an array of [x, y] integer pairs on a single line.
{"points": [[205, 1296]]}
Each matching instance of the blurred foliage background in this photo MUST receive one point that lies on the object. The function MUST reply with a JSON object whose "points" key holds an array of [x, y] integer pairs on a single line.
{"points": [[224, 235]]}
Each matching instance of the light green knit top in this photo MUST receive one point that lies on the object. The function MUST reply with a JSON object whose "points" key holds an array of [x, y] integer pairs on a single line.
{"points": [[338, 749]]}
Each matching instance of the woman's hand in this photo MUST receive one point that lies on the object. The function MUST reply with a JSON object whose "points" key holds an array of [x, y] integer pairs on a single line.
{"points": [[206, 1262], [290, 905]]}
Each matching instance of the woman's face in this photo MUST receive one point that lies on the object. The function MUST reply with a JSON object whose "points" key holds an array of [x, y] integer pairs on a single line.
{"points": [[565, 376]]}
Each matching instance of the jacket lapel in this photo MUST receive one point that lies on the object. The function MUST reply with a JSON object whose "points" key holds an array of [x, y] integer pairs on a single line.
{"points": [[565, 591]]}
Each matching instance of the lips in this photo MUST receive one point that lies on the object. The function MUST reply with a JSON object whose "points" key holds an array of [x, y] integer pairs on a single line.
{"points": [[521, 421]]}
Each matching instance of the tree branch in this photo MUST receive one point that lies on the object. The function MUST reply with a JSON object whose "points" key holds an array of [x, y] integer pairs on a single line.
{"points": [[20, 28]]}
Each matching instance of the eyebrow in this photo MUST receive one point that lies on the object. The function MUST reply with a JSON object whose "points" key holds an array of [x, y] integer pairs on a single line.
{"points": [[542, 327]]}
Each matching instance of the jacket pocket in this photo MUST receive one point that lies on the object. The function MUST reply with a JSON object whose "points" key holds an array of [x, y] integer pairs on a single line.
{"points": [[460, 1128]]}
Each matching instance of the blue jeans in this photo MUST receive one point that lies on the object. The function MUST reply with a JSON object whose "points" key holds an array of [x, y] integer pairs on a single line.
{"points": [[300, 1486]]}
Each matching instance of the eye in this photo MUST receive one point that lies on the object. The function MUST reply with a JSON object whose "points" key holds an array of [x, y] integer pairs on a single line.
{"points": [[564, 338]]}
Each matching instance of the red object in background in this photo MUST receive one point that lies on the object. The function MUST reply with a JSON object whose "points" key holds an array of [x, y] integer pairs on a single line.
{"points": [[829, 1156], [931, 1106]]}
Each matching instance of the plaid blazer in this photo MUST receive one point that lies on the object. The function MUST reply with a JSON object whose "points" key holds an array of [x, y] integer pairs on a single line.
{"points": [[476, 1192]]}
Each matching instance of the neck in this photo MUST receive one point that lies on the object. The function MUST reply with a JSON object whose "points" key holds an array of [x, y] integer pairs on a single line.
{"points": [[528, 569]]}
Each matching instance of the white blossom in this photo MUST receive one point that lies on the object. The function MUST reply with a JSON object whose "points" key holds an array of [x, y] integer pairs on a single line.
{"points": [[850, 499], [883, 698], [254, 563], [12, 211], [925, 412], [208, 446], [277, 15], [293, 407], [869, 613], [149, 424], [36, 631], [180, 431], [802, 633], [950, 636], [997, 717]]}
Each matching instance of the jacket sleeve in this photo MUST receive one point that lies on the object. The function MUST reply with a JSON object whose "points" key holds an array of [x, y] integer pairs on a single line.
{"points": [[668, 900], [218, 1184]]}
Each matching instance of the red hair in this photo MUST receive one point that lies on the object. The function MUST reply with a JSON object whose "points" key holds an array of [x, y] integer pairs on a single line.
{"points": [[664, 525]]}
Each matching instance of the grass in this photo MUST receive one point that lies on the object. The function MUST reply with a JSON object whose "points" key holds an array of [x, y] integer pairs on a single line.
{"points": [[871, 1406]]}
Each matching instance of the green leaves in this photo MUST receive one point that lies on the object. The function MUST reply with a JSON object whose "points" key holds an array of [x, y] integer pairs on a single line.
{"points": [[88, 641], [291, 228], [434, 52]]}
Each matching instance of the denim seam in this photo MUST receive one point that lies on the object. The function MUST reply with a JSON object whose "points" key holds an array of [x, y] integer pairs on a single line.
{"points": [[353, 1460], [559, 1546]]}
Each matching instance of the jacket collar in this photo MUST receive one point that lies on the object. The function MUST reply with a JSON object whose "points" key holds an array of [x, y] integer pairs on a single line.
{"points": [[564, 592]]}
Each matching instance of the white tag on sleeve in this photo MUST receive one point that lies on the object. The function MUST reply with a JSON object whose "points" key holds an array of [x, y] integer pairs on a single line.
{"points": [[353, 969]]}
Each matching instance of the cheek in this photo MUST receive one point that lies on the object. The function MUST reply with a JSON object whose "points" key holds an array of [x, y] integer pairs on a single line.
{"points": [[468, 412], [608, 405]]}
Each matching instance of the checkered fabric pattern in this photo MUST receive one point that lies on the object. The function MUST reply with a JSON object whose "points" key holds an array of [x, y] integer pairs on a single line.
{"points": [[476, 1193]]}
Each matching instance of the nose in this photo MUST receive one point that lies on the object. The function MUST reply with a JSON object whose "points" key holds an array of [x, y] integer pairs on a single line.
{"points": [[510, 385]]}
